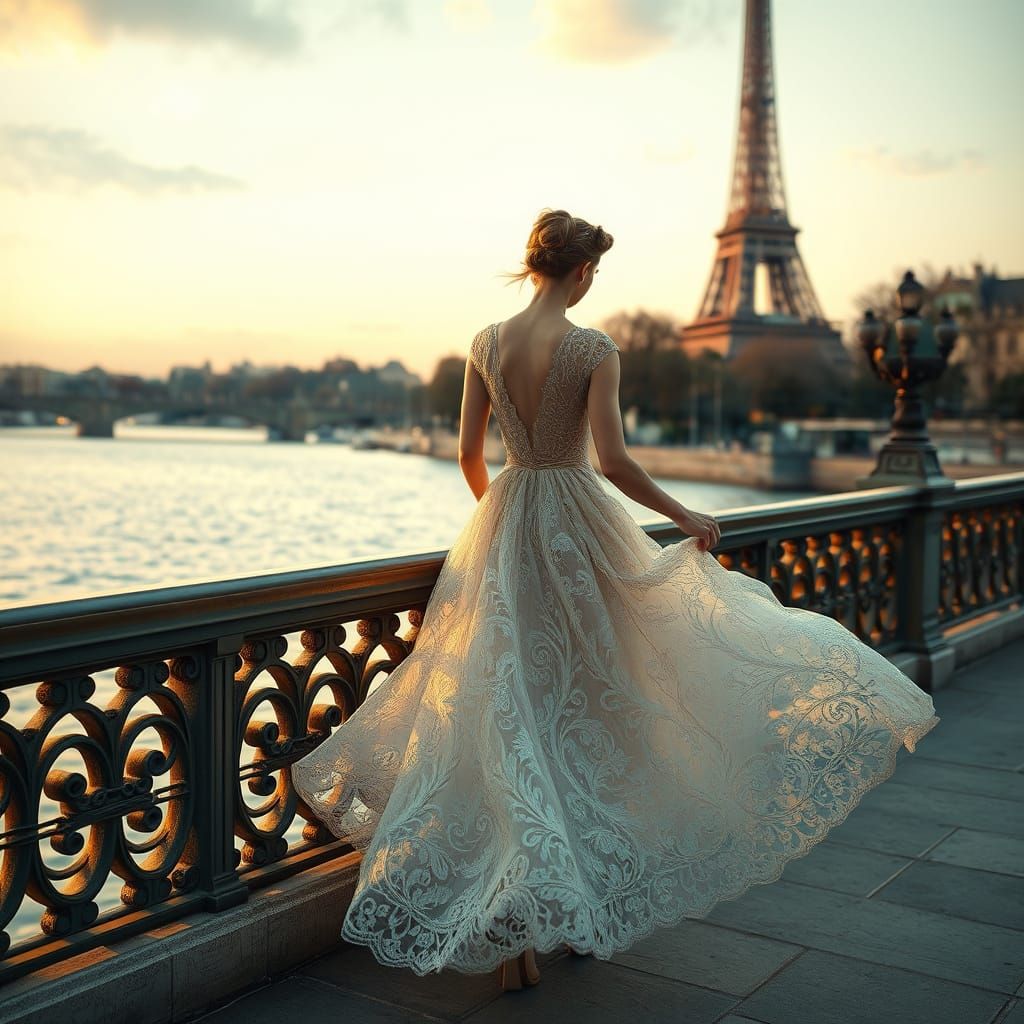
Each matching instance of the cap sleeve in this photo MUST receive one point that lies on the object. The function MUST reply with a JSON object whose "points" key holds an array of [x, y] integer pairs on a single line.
{"points": [[601, 346], [476, 351]]}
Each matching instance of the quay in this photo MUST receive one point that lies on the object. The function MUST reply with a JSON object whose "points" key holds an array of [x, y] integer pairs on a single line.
{"points": [[157, 865], [775, 466]]}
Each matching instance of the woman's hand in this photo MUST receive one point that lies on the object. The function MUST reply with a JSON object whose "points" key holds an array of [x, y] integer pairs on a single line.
{"points": [[703, 527]]}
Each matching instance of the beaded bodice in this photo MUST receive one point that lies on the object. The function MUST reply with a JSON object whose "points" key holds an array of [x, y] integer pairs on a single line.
{"points": [[561, 429]]}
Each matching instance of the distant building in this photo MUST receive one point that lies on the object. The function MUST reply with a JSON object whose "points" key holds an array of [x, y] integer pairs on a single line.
{"points": [[339, 366], [245, 370], [96, 379], [188, 383], [393, 372], [28, 381], [32, 381], [990, 312]]}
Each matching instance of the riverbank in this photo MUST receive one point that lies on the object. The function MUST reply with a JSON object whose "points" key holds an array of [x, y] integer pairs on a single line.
{"points": [[785, 470], [841, 472]]}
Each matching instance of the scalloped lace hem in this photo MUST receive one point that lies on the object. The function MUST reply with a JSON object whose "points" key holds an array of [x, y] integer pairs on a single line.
{"points": [[550, 939]]}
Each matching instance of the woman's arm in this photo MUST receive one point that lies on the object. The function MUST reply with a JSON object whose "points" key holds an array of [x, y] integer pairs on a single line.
{"points": [[622, 470], [475, 412]]}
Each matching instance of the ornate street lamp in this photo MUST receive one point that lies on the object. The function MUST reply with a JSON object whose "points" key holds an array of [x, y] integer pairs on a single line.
{"points": [[907, 354]]}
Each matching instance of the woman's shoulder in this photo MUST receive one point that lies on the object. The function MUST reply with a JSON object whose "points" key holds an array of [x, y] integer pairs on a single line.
{"points": [[476, 348], [594, 345], [602, 341]]}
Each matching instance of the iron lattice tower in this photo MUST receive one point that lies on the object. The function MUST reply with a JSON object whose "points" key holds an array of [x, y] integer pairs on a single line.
{"points": [[757, 230]]}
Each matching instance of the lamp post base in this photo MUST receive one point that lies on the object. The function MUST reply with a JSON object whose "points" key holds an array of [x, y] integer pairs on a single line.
{"points": [[906, 462]]}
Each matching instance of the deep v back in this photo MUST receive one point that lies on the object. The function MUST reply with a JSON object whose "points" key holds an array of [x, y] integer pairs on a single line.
{"points": [[528, 428], [559, 433]]}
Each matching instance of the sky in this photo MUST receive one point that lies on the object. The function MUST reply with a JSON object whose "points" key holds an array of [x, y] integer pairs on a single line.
{"points": [[183, 180]]}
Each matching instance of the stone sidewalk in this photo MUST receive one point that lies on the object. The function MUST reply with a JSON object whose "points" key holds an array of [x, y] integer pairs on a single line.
{"points": [[912, 911]]}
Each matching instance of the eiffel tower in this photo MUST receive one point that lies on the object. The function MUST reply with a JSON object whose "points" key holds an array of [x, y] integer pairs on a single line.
{"points": [[757, 231]]}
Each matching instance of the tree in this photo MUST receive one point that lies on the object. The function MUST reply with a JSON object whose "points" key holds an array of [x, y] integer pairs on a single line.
{"points": [[339, 366], [445, 389], [789, 378], [866, 395], [1008, 397], [882, 297], [945, 396], [280, 385], [642, 330], [655, 377]]}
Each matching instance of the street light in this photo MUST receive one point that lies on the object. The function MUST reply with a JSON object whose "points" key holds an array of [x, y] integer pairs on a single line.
{"points": [[908, 354]]}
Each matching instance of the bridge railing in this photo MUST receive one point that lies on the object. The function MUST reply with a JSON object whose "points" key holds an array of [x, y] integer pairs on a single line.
{"points": [[145, 738]]}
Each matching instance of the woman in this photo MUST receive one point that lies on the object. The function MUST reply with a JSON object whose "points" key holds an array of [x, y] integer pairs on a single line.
{"points": [[594, 736]]}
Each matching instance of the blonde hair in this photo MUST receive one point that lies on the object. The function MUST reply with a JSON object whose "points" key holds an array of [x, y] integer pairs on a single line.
{"points": [[558, 243]]}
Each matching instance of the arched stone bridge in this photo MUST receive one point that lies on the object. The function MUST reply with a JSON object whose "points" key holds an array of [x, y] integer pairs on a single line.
{"points": [[288, 420]]}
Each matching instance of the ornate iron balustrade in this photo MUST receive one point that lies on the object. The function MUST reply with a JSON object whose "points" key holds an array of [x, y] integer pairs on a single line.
{"points": [[144, 738], [982, 566]]}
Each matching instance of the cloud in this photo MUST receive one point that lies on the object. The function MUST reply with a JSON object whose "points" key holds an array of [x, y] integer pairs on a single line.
{"points": [[247, 24], [920, 164], [605, 31], [40, 157]]}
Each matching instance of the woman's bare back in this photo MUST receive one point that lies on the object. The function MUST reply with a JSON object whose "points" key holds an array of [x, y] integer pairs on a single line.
{"points": [[526, 350]]}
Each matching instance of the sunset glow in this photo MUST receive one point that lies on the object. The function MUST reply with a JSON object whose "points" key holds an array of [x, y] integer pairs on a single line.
{"points": [[183, 181]]}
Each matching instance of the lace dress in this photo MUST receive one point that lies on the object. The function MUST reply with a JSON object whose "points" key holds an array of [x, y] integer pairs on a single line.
{"points": [[594, 736]]}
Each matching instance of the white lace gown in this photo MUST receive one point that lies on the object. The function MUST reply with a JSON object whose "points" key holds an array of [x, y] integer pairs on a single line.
{"points": [[594, 736]]}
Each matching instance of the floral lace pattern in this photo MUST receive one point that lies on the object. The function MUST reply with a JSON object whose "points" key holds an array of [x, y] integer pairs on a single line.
{"points": [[594, 736]]}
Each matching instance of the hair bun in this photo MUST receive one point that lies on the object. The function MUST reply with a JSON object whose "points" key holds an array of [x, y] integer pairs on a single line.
{"points": [[559, 242], [556, 230]]}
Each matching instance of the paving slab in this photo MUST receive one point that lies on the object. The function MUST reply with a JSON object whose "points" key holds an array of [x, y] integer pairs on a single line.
{"points": [[961, 892], [1005, 707], [955, 703], [307, 1000], [1016, 1014], [824, 987], [998, 672], [582, 990], [1002, 783], [968, 952], [984, 813], [988, 742], [841, 868], [985, 851], [448, 995], [712, 957], [902, 834]]}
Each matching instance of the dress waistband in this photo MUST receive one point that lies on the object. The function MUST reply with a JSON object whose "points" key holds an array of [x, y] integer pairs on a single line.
{"points": [[571, 464]]}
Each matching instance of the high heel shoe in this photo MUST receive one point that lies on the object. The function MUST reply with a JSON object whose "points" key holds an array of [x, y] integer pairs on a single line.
{"points": [[519, 971]]}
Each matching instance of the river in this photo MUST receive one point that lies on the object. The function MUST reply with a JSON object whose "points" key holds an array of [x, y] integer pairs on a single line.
{"points": [[160, 506]]}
